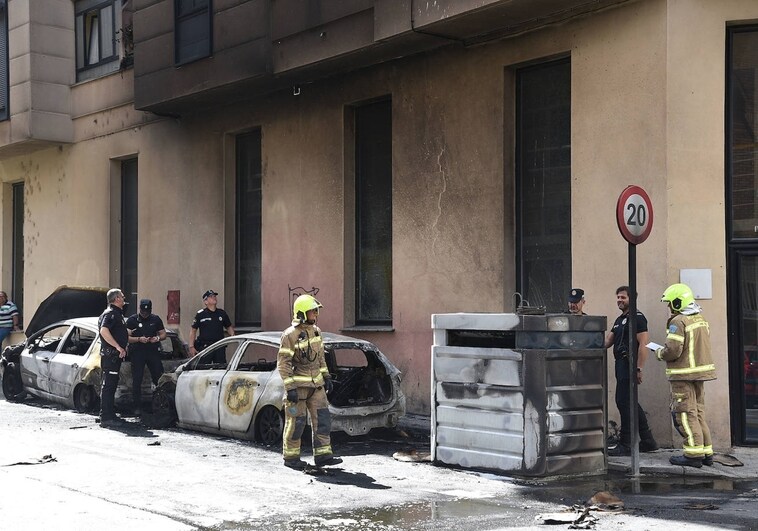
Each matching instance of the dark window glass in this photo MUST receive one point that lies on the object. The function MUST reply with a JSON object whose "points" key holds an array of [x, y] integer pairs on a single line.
{"points": [[17, 294], [373, 205], [543, 183], [4, 60], [248, 225], [96, 33], [743, 140], [192, 30], [129, 231]]}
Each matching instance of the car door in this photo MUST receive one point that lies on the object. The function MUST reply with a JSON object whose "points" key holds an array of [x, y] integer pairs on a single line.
{"points": [[242, 386], [65, 364], [199, 385], [37, 356]]}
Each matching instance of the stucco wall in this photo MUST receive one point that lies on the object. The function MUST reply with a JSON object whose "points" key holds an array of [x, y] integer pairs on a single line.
{"points": [[643, 112]]}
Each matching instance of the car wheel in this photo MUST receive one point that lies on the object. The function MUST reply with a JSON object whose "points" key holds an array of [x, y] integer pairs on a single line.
{"points": [[270, 426], [164, 409], [85, 398], [13, 389]]}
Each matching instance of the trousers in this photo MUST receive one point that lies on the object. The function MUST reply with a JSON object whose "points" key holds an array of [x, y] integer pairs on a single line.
{"points": [[311, 402], [623, 384], [110, 365], [154, 365], [688, 414]]}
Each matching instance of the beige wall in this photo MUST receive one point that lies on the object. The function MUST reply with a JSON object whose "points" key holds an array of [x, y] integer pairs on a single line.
{"points": [[643, 112]]}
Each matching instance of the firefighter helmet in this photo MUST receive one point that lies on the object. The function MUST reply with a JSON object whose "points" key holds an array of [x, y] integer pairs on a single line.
{"points": [[679, 296], [304, 304]]}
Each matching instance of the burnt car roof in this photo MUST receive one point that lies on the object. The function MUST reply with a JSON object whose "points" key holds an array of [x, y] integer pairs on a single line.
{"points": [[67, 302]]}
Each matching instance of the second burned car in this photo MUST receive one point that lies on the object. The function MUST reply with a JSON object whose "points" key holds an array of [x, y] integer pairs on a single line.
{"points": [[243, 396]]}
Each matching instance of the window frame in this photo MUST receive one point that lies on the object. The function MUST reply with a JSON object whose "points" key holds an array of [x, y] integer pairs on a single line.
{"points": [[106, 64], [361, 197], [4, 63], [181, 18]]}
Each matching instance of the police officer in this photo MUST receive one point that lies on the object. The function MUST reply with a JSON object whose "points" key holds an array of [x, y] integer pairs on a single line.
{"points": [[687, 354], [210, 323], [576, 302], [618, 337], [146, 331], [114, 338], [306, 379]]}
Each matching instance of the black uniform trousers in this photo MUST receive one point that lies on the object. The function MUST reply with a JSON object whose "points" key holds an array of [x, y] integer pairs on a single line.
{"points": [[623, 384], [110, 365], [154, 365]]}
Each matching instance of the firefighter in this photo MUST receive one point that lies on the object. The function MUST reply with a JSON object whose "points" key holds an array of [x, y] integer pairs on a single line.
{"points": [[306, 379], [687, 354]]}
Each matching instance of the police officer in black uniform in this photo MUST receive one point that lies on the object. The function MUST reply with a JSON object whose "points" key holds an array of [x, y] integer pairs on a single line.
{"points": [[210, 323], [114, 338], [146, 331]]}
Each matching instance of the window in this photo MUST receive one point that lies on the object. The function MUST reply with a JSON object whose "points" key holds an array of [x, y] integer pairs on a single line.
{"points": [[17, 279], [97, 26], [78, 341], [192, 30], [743, 122], [4, 60], [543, 183], [373, 214], [216, 356], [129, 231], [258, 357], [248, 230]]}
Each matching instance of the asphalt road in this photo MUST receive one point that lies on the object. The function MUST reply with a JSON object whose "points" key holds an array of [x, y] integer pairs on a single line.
{"points": [[60, 470]]}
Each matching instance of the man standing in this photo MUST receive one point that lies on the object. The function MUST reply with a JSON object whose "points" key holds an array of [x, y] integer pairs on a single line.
{"points": [[210, 323], [146, 331], [306, 379], [8, 317], [114, 338], [576, 301], [687, 354], [619, 338]]}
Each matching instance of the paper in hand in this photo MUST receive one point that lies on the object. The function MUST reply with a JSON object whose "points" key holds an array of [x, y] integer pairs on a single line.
{"points": [[653, 346]]}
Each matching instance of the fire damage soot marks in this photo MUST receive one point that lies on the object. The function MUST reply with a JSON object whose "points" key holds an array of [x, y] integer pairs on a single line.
{"points": [[239, 397]]}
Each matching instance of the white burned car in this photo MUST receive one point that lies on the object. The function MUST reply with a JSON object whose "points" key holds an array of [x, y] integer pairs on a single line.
{"points": [[60, 361], [243, 396]]}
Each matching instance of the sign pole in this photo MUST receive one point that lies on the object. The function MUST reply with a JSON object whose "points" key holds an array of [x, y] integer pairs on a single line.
{"points": [[634, 217], [632, 358]]}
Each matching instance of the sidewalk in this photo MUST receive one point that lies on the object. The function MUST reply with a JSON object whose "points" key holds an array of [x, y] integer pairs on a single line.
{"points": [[651, 464], [657, 464]]}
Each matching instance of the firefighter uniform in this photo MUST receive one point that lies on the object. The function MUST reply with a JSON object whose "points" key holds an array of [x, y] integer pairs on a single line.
{"points": [[687, 353], [302, 366]]}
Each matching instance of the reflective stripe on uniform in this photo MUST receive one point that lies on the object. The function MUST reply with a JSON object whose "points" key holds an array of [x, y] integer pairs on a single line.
{"points": [[691, 370], [321, 450], [288, 381], [317, 380], [675, 337], [690, 442], [286, 351]]}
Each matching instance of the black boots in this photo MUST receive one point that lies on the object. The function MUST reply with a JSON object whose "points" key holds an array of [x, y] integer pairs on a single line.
{"points": [[683, 460]]}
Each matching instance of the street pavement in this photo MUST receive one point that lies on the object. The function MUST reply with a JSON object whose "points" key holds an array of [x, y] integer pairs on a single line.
{"points": [[59, 470]]}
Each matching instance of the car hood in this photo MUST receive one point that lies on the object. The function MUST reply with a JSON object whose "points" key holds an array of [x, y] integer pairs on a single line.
{"points": [[67, 302]]}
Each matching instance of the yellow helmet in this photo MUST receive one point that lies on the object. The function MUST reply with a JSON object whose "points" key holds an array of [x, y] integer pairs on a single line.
{"points": [[679, 296], [304, 304]]}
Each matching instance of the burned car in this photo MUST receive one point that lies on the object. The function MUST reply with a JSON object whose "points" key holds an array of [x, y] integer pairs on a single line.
{"points": [[60, 361], [243, 396]]}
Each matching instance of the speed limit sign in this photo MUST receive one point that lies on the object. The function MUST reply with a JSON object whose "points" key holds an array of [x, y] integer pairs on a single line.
{"points": [[634, 214]]}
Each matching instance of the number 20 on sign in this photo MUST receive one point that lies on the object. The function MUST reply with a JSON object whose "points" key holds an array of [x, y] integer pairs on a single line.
{"points": [[634, 214]]}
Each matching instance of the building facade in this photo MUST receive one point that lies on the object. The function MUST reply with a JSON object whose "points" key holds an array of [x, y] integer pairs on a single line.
{"points": [[400, 158]]}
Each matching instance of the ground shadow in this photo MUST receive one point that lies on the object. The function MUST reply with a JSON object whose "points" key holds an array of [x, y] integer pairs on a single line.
{"points": [[339, 476]]}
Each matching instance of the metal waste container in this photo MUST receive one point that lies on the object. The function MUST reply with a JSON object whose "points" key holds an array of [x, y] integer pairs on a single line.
{"points": [[524, 394]]}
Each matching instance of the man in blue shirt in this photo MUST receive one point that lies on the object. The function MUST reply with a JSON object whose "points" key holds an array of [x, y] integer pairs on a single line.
{"points": [[8, 317]]}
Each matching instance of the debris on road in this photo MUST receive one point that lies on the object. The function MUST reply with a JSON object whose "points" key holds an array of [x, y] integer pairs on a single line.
{"points": [[702, 507], [727, 460], [412, 456], [43, 460]]}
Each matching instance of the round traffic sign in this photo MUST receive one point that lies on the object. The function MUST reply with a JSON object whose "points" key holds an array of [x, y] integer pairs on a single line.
{"points": [[634, 214]]}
